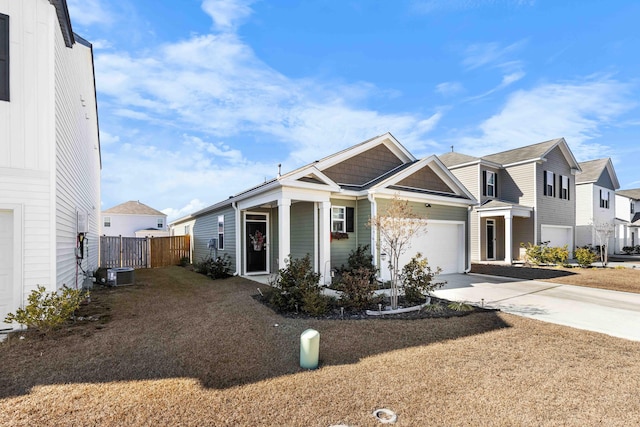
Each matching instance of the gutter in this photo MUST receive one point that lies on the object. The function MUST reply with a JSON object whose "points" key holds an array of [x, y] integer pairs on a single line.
{"points": [[237, 237], [374, 234], [468, 240]]}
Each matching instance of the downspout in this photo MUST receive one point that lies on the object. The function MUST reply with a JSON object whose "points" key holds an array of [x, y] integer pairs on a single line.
{"points": [[374, 238], [467, 243], [237, 237]]}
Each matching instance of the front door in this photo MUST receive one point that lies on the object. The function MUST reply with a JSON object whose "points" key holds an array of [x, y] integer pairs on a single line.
{"points": [[256, 247], [491, 239]]}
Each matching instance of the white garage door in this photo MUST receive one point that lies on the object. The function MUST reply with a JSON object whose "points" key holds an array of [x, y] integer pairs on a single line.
{"points": [[557, 236], [6, 265], [442, 245]]}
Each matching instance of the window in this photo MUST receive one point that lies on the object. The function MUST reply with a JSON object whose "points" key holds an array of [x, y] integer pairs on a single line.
{"points": [[220, 231], [604, 199], [342, 219], [106, 221], [549, 184], [160, 223], [338, 218], [187, 230], [564, 189], [490, 184], [4, 57], [632, 206]]}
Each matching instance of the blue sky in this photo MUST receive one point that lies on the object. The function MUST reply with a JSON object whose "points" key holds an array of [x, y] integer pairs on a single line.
{"points": [[200, 99]]}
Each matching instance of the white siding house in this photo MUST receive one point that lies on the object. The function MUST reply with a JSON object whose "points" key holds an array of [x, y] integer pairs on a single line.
{"points": [[49, 152], [134, 219], [627, 218]]}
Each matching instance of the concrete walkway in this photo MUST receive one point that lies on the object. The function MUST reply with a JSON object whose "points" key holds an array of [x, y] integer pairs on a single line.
{"points": [[609, 312]]}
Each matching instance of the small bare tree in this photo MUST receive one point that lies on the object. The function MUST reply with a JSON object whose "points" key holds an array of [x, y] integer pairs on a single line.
{"points": [[396, 227], [604, 231]]}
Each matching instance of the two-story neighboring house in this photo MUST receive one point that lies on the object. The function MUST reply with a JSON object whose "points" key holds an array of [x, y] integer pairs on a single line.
{"points": [[526, 195], [595, 204], [49, 153], [627, 218], [134, 219]]}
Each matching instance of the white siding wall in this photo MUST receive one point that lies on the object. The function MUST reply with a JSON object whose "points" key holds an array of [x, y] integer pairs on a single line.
{"points": [[585, 203], [127, 225], [77, 159], [27, 141], [623, 208]]}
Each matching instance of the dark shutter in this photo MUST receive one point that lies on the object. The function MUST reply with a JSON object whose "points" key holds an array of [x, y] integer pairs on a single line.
{"points": [[601, 202], [559, 186], [553, 180], [495, 185], [484, 183], [4, 57], [568, 188], [544, 185], [350, 220]]}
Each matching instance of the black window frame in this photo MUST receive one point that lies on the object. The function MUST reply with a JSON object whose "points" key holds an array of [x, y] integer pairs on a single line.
{"points": [[485, 183], [4, 58], [549, 185]]}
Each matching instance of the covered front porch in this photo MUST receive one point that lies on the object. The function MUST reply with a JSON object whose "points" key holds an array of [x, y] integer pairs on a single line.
{"points": [[283, 224], [502, 226]]}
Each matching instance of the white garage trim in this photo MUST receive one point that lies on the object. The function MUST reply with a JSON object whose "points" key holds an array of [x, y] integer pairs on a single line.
{"points": [[557, 235], [13, 214], [446, 249]]}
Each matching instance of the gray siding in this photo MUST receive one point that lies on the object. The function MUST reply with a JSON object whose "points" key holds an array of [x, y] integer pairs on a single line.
{"points": [[554, 210], [518, 184], [468, 176], [302, 230], [206, 228], [340, 249], [363, 215], [605, 180]]}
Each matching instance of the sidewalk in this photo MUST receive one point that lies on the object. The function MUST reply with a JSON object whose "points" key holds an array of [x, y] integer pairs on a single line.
{"points": [[599, 310]]}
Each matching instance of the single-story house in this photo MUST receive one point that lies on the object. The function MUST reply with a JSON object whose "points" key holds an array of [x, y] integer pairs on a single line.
{"points": [[323, 209]]}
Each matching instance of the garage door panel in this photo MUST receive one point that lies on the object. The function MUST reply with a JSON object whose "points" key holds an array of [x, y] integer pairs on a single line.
{"points": [[556, 236], [442, 245]]}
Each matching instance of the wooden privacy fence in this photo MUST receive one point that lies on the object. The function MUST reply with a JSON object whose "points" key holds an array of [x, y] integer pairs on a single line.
{"points": [[143, 252]]}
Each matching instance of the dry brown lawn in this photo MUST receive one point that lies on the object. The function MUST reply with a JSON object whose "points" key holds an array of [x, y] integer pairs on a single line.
{"points": [[616, 279], [180, 349]]}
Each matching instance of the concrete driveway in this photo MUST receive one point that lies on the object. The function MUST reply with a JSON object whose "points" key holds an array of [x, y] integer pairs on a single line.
{"points": [[609, 312]]}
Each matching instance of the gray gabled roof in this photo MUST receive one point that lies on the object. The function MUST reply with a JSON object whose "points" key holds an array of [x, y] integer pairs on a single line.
{"points": [[633, 193], [529, 152], [452, 159], [592, 171], [133, 207]]}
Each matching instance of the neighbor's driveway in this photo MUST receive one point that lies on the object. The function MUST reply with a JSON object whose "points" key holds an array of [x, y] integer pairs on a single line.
{"points": [[609, 312]]}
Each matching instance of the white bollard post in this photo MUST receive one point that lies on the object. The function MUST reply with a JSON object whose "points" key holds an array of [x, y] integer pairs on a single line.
{"points": [[309, 349]]}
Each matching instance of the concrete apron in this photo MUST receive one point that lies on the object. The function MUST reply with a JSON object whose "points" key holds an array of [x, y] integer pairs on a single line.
{"points": [[599, 310]]}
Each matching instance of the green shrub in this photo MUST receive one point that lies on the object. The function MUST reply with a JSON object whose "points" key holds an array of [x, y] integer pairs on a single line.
{"points": [[543, 254], [585, 256], [297, 287], [217, 268], [358, 289], [417, 279], [47, 311]]}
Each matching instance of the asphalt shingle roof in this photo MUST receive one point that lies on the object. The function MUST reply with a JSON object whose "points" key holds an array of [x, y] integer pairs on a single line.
{"points": [[591, 170], [529, 152], [633, 193], [452, 158], [133, 207]]}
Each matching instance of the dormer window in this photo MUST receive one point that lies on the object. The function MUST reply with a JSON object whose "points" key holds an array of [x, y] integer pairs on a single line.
{"points": [[633, 207], [604, 199], [490, 184]]}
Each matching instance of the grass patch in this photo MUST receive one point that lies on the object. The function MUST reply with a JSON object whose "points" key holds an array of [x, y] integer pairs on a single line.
{"points": [[180, 349]]}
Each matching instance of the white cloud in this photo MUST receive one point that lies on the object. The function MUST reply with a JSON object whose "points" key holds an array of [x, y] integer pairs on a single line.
{"points": [[192, 206], [88, 12], [227, 14], [449, 88], [573, 110], [492, 55]]}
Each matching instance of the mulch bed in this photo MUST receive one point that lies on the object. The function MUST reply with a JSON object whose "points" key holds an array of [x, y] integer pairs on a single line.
{"points": [[519, 272]]}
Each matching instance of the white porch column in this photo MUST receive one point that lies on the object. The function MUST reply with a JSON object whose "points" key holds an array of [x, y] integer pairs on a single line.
{"points": [[508, 244], [284, 231], [324, 241]]}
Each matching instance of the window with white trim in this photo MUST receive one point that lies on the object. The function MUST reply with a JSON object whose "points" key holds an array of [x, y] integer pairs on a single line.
{"points": [[605, 197], [187, 229], [338, 219], [220, 231], [106, 221], [549, 183], [491, 184], [160, 223], [564, 191], [633, 207]]}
